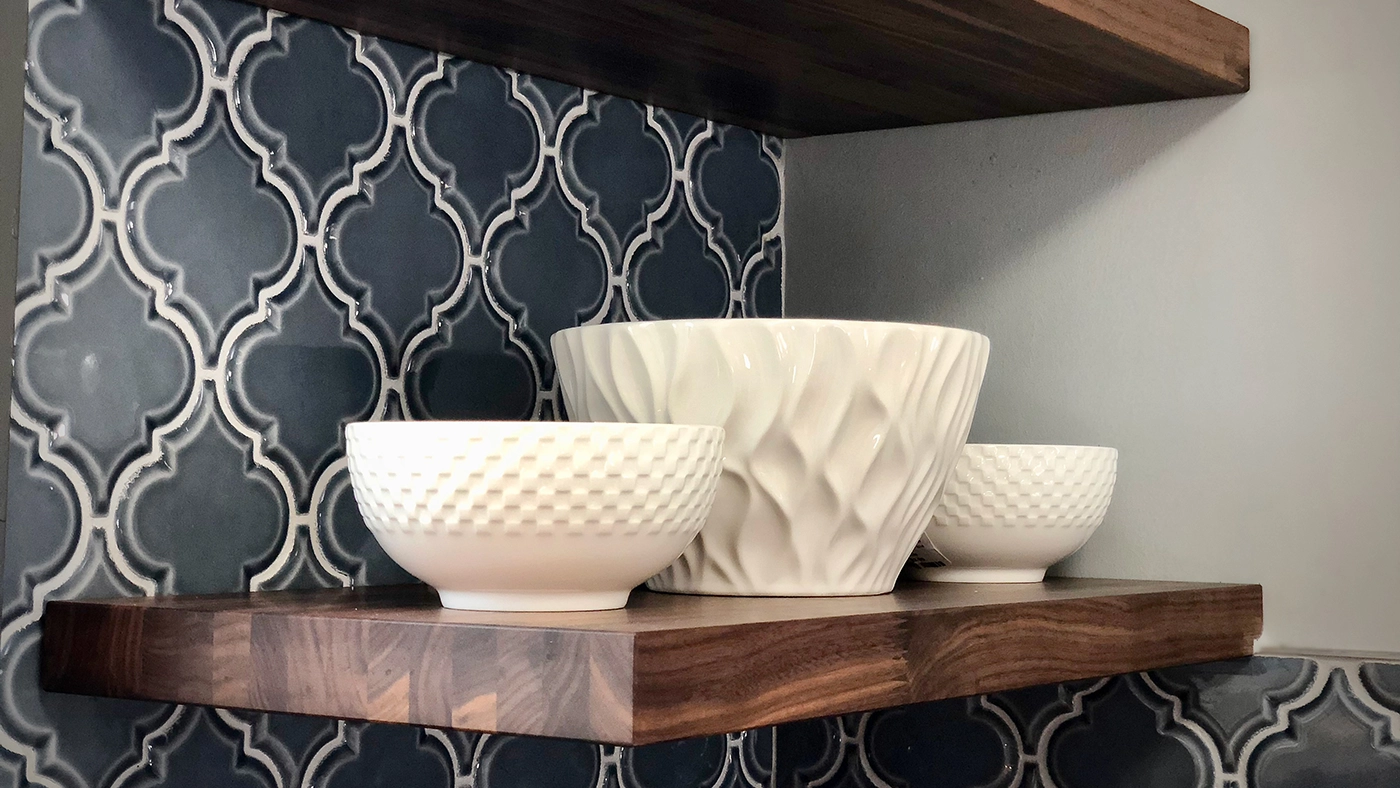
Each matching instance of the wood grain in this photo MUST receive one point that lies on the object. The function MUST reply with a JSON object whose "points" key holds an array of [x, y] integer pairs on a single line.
{"points": [[666, 667], [797, 68]]}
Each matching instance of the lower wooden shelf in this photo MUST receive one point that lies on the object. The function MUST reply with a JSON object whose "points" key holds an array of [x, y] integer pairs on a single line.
{"points": [[666, 667]]}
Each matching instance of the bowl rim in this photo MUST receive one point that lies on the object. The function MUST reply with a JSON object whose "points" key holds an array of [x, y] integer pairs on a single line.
{"points": [[768, 321], [1094, 447], [497, 425]]}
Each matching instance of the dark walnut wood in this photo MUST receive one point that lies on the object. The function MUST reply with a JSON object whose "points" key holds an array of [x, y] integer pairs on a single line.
{"points": [[805, 67], [666, 667]]}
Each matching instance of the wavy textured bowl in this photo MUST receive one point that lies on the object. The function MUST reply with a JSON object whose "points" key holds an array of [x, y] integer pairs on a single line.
{"points": [[838, 438], [533, 515], [1009, 512]]}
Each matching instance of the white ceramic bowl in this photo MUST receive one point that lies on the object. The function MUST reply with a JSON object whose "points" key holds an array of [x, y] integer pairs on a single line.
{"points": [[838, 438], [1009, 512], [533, 515]]}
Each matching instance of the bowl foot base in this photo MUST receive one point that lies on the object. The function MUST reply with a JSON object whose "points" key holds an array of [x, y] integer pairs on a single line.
{"points": [[958, 574], [533, 601], [767, 593]]}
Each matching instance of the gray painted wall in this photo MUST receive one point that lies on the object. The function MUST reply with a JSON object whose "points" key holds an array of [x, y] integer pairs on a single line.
{"points": [[1212, 286]]}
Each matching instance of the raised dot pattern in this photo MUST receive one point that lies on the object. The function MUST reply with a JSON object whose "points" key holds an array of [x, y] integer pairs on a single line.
{"points": [[584, 482], [1029, 486]]}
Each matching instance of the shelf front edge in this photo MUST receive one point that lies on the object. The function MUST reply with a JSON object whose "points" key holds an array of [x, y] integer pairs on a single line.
{"points": [[766, 674], [631, 684], [538, 682]]}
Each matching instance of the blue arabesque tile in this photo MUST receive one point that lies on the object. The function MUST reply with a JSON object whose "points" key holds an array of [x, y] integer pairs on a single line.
{"points": [[116, 74], [317, 110], [955, 743], [241, 230], [55, 207], [1337, 740]]}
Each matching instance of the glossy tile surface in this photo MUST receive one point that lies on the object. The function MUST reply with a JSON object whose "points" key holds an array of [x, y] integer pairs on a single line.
{"points": [[1263, 722], [241, 230]]}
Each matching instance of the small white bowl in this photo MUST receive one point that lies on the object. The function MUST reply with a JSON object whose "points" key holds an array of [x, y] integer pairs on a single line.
{"points": [[1009, 512], [533, 515]]}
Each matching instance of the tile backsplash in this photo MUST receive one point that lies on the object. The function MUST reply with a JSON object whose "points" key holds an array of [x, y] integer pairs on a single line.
{"points": [[1263, 722], [240, 230]]}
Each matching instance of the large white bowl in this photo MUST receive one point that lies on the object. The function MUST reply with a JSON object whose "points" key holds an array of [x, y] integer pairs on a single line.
{"points": [[1009, 512], [533, 515], [838, 438]]}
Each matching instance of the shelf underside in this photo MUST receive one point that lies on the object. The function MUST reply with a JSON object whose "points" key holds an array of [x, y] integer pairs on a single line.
{"points": [[666, 667], [795, 69]]}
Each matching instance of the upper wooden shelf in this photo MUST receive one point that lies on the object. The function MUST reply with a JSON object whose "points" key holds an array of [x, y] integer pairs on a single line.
{"points": [[666, 667], [795, 68]]}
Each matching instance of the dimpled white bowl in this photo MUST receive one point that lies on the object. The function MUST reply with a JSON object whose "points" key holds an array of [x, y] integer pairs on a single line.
{"points": [[1010, 511], [838, 438], [533, 515]]}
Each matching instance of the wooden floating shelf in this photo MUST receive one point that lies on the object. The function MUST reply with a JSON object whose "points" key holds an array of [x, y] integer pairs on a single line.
{"points": [[795, 69], [666, 667]]}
